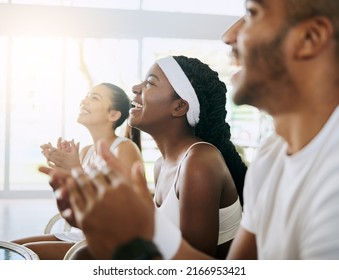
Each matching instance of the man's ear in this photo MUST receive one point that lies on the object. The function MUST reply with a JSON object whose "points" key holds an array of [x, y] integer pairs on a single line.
{"points": [[114, 115], [312, 37], [180, 108]]}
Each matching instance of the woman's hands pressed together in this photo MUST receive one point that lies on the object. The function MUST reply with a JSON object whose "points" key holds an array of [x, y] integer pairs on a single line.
{"points": [[110, 203], [65, 155]]}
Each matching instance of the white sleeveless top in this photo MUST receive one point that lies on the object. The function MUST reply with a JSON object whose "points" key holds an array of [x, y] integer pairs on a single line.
{"points": [[91, 158], [229, 217]]}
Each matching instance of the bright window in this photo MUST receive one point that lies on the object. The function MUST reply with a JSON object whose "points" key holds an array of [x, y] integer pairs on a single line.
{"points": [[35, 105], [116, 4], [49, 78], [3, 76], [92, 61], [44, 76], [217, 7]]}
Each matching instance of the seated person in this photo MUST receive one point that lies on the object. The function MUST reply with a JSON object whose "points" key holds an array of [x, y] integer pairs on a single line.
{"points": [[199, 178], [104, 108], [294, 175]]}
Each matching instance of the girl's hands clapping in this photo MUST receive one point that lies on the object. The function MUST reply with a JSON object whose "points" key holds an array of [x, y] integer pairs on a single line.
{"points": [[64, 156]]}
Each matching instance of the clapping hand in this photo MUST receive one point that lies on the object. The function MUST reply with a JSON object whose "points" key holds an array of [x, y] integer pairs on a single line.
{"points": [[111, 204], [65, 155]]}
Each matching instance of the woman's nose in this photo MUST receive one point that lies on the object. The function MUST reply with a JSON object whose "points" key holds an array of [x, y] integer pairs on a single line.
{"points": [[136, 89], [83, 101]]}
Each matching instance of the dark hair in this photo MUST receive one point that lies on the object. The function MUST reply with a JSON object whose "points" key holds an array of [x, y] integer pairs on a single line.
{"points": [[121, 103], [133, 134], [212, 126], [299, 10]]}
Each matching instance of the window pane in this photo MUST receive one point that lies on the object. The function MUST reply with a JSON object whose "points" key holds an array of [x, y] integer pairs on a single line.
{"points": [[208, 51], [3, 77], [36, 86], [117, 4], [50, 77], [221, 7], [249, 126]]}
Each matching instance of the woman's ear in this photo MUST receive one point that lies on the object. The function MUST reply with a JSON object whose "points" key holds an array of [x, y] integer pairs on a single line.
{"points": [[114, 115], [180, 108], [312, 36]]}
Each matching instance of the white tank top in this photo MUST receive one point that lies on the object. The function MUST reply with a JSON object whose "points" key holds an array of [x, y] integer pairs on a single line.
{"points": [[75, 234], [229, 217], [91, 158]]}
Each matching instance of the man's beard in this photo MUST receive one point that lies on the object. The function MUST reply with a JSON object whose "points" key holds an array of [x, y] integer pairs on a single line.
{"points": [[267, 63]]}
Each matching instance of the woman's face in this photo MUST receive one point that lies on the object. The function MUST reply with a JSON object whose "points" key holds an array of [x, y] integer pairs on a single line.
{"points": [[152, 102], [95, 108]]}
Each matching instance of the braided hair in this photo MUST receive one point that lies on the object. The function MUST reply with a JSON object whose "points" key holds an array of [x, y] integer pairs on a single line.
{"points": [[212, 126]]}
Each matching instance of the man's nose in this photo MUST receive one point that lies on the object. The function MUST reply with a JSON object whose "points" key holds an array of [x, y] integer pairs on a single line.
{"points": [[230, 35]]}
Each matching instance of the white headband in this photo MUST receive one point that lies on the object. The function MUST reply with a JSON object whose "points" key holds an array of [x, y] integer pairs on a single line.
{"points": [[182, 87]]}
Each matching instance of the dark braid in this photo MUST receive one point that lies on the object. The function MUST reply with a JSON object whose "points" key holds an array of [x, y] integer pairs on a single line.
{"points": [[212, 126]]}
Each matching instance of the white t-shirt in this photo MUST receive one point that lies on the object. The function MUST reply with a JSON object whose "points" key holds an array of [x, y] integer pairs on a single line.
{"points": [[291, 203]]}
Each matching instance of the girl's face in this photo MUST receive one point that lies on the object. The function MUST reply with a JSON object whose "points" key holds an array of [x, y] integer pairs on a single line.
{"points": [[152, 102], [95, 108]]}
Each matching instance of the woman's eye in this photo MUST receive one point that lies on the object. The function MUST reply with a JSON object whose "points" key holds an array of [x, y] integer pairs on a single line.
{"points": [[250, 12], [149, 83]]}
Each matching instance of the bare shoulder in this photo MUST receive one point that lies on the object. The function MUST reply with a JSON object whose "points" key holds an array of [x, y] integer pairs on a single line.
{"points": [[203, 167], [206, 157], [128, 152], [205, 170], [128, 145]]}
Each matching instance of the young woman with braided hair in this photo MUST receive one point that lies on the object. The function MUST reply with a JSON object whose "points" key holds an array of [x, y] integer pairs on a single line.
{"points": [[200, 176], [296, 202], [181, 104], [212, 126]]}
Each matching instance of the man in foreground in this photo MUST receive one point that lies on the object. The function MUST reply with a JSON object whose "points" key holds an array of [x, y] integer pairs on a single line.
{"points": [[289, 54]]}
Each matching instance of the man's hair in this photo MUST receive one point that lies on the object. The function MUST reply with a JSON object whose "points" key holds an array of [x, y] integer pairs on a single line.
{"points": [[298, 10]]}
